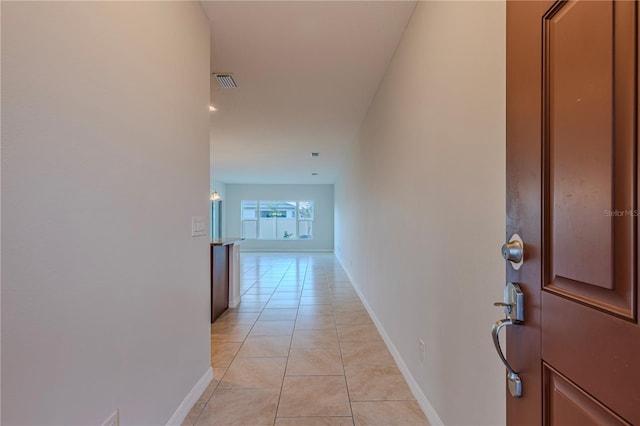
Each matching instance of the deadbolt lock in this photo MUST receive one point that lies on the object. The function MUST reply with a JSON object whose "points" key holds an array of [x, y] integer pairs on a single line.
{"points": [[513, 251]]}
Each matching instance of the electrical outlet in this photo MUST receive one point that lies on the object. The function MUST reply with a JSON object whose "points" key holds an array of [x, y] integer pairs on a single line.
{"points": [[422, 353], [113, 420]]}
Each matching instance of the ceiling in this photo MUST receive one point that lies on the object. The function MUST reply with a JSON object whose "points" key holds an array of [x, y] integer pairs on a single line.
{"points": [[306, 73]]}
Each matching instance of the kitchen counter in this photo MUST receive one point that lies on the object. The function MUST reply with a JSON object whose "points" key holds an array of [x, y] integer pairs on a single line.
{"points": [[225, 275], [225, 241]]}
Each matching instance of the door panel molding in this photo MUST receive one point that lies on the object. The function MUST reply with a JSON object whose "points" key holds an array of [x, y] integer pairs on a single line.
{"points": [[589, 197], [585, 345], [566, 404]]}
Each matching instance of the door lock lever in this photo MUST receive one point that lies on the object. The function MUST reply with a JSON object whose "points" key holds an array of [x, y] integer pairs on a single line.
{"points": [[513, 303], [507, 306]]}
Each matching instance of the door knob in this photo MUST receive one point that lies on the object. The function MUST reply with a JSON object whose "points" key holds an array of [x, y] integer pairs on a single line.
{"points": [[513, 251]]}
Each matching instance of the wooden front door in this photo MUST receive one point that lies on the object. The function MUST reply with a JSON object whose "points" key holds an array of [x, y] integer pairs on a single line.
{"points": [[572, 195]]}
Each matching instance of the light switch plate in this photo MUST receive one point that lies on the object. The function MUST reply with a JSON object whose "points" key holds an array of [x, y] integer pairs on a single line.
{"points": [[198, 226]]}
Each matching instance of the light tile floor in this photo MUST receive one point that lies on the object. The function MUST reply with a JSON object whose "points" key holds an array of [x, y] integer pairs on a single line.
{"points": [[301, 350]]}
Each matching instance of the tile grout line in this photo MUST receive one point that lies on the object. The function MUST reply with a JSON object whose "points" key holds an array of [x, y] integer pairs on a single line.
{"points": [[346, 382], [234, 358], [318, 276], [284, 374]]}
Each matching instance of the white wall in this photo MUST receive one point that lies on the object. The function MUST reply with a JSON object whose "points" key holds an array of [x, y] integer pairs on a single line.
{"points": [[321, 195], [222, 191], [0, 235], [420, 208], [105, 294]]}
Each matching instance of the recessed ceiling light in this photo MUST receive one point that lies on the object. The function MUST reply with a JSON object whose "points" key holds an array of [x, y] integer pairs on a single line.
{"points": [[315, 154], [212, 108], [314, 174]]}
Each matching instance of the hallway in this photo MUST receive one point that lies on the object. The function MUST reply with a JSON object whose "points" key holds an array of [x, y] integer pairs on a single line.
{"points": [[301, 350]]}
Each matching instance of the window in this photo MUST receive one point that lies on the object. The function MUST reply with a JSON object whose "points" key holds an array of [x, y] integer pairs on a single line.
{"points": [[305, 220], [277, 220]]}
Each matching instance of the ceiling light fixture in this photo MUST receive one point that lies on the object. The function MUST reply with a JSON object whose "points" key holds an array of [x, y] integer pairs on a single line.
{"points": [[212, 108], [215, 196]]}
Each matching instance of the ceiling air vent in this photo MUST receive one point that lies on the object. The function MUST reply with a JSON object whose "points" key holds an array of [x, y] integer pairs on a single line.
{"points": [[315, 154], [226, 81]]}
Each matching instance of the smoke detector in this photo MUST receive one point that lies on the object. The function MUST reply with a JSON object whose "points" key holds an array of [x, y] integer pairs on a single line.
{"points": [[226, 81]]}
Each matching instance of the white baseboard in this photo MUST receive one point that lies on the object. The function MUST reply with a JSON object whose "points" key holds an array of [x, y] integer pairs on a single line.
{"points": [[420, 397], [235, 302], [191, 398]]}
